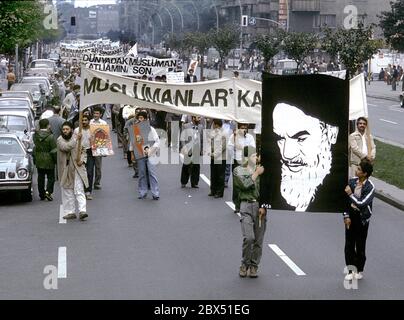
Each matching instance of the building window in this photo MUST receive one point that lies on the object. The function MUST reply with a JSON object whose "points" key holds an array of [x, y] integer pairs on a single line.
{"points": [[325, 20]]}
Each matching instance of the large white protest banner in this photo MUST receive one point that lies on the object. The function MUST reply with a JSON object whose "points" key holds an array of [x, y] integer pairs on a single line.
{"points": [[130, 66], [230, 99]]}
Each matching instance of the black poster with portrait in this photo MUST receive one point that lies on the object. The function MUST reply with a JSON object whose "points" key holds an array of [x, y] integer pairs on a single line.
{"points": [[304, 138]]}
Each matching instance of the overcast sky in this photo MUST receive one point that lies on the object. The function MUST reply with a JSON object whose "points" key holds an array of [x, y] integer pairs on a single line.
{"points": [[87, 3]]}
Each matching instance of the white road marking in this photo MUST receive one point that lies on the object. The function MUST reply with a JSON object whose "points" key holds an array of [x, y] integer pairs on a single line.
{"points": [[205, 178], [388, 121], [391, 109], [286, 259], [61, 220], [233, 207], [372, 105], [62, 261]]}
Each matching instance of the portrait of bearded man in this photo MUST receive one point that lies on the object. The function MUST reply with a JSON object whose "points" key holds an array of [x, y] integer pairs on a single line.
{"points": [[305, 142]]}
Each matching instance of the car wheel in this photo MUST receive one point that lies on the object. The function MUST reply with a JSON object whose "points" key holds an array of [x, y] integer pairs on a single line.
{"points": [[26, 195]]}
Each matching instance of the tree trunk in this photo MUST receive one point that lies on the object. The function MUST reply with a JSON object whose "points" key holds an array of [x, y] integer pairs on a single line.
{"points": [[221, 68], [202, 60]]}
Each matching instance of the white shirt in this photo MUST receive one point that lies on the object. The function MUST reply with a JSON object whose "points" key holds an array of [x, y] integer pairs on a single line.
{"points": [[99, 121], [247, 141], [364, 145], [86, 136]]}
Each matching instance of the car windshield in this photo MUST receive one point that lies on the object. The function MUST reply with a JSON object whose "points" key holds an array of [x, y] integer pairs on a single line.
{"points": [[28, 80], [13, 123], [9, 94], [11, 102], [25, 87], [10, 145], [42, 64]]}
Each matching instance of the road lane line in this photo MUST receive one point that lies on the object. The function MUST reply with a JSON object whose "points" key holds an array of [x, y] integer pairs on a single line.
{"points": [[372, 105], [205, 178], [233, 207], [61, 220], [388, 121], [286, 259], [396, 110], [62, 261]]}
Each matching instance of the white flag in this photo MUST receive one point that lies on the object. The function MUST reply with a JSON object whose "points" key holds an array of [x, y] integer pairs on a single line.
{"points": [[133, 51]]}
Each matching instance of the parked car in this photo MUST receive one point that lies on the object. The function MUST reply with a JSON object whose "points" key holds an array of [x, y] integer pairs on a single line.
{"points": [[19, 122], [43, 63], [38, 93], [18, 94], [42, 80], [17, 103], [16, 166], [285, 67]]}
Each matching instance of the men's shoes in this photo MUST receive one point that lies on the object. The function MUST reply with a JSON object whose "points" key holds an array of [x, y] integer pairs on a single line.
{"points": [[243, 271], [211, 194], [358, 275], [195, 186], [236, 211], [89, 196], [218, 196], [83, 216], [70, 216], [156, 198], [142, 197], [349, 277], [253, 272], [97, 187], [136, 175], [48, 196]]}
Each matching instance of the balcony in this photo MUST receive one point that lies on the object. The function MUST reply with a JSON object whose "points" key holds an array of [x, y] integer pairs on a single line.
{"points": [[305, 5]]}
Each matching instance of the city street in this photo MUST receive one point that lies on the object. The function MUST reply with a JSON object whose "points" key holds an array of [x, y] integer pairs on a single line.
{"points": [[386, 120], [185, 246]]}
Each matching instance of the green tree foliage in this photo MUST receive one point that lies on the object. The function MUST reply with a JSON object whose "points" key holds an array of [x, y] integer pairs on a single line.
{"points": [[269, 44], [20, 23], [299, 45], [354, 46], [224, 41], [392, 23]]}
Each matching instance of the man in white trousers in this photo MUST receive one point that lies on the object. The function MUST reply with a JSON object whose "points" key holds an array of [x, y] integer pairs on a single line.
{"points": [[72, 173]]}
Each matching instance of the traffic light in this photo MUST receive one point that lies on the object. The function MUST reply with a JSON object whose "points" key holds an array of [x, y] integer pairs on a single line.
{"points": [[244, 21], [72, 21]]}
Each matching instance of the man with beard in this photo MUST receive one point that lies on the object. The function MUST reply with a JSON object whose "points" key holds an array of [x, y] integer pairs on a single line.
{"points": [[253, 218], [72, 173], [306, 159], [86, 144]]}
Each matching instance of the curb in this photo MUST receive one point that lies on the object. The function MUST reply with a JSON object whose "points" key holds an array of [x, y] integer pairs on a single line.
{"points": [[389, 199], [383, 97]]}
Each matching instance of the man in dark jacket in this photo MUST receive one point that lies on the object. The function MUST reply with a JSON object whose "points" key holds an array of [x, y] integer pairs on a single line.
{"points": [[360, 191], [44, 154]]}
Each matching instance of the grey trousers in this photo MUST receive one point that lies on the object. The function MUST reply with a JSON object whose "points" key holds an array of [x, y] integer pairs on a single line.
{"points": [[253, 234], [98, 168]]}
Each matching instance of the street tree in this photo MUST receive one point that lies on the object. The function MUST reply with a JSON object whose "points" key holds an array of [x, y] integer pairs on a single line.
{"points": [[392, 23], [299, 45], [201, 42], [354, 46], [269, 44], [224, 41], [21, 23]]}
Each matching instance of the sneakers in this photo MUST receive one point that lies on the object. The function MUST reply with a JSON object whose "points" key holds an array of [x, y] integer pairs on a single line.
{"points": [[349, 277], [253, 272], [243, 271], [48, 196], [89, 196], [155, 198], [83, 216], [70, 216], [358, 276]]}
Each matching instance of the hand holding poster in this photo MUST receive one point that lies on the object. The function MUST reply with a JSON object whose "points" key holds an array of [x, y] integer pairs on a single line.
{"points": [[101, 144]]}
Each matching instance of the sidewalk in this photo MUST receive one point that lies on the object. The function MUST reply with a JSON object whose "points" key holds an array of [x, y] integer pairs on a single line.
{"points": [[380, 90], [388, 193]]}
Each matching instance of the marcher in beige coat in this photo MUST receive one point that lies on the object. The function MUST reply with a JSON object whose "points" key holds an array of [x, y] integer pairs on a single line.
{"points": [[73, 174], [358, 148]]}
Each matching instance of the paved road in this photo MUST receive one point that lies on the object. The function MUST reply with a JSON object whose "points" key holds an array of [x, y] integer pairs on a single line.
{"points": [[387, 119], [185, 246]]}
